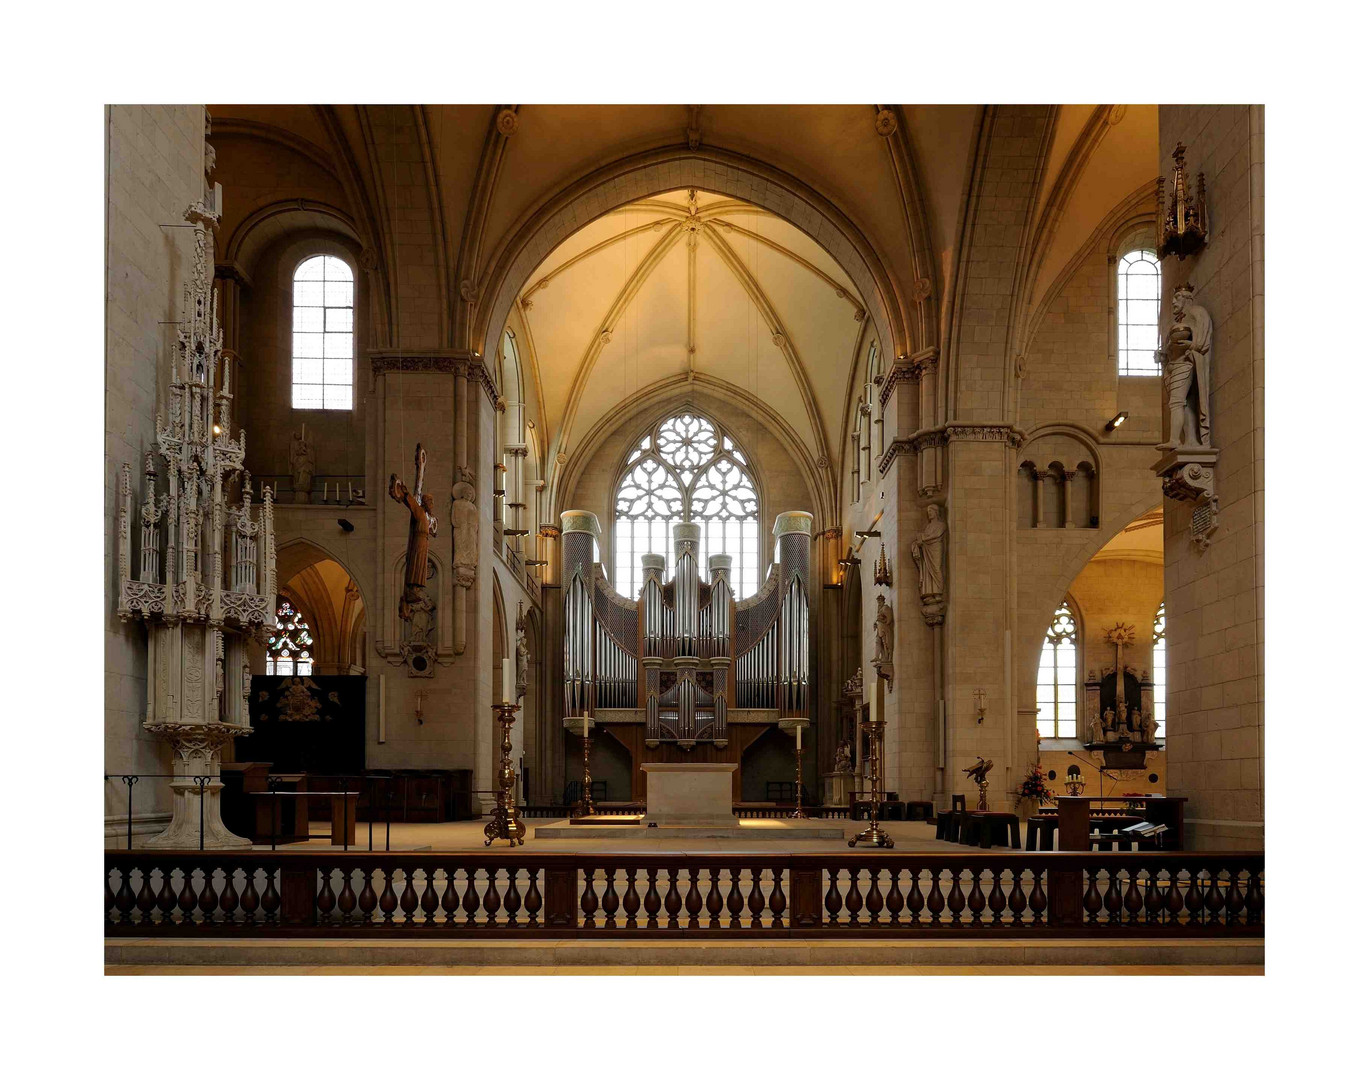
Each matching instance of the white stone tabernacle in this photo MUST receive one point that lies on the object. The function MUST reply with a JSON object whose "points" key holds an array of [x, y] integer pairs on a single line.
{"points": [[696, 793]]}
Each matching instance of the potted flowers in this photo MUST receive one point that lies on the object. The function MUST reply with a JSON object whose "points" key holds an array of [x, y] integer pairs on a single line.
{"points": [[1032, 790]]}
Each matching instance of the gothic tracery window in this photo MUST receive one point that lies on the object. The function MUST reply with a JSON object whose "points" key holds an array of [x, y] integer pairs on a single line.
{"points": [[686, 470], [290, 649], [1157, 664], [321, 365], [1057, 677], [1138, 312]]}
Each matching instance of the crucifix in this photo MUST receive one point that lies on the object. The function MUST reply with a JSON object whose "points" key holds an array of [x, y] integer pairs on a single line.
{"points": [[422, 524], [1121, 636]]}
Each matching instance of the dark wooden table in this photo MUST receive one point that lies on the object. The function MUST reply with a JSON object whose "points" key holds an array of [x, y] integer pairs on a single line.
{"points": [[1075, 824]]}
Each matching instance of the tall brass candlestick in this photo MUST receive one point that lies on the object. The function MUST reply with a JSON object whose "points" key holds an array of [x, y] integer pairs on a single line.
{"points": [[582, 725], [872, 833], [798, 811], [506, 824]]}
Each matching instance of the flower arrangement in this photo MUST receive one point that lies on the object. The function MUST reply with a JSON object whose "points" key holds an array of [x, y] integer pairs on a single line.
{"points": [[1033, 785]]}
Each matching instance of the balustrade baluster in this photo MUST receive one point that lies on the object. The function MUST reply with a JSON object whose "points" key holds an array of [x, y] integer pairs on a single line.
{"points": [[124, 898], [388, 900], [470, 899], [187, 900], [854, 901], [408, 899], [109, 892], [1212, 898], [1154, 900], [694, 901], [228, 899], [367, 902], [895, 900], [491, 901], [147, 899], [874, 901], [652, 904], [1112, 899], [325, 899], [734, 899], [955, 899], [1193, 898], [532, 902], [589, 900], [936, 901], [610, 899], [251, 900], [427, 903], [451, 902], [1174, 898], [1233, 900], [347, 899], [976, 901], [997, 901], [270, 899], [1254, 900], [1093, 900], [714, 900], [755, 902], [1131, 902], [513, 900], [1017, 899], [832, 901], [1037, 899], [209, 897], [673, 901], [632, 901], [778, 901], [915, 900]]}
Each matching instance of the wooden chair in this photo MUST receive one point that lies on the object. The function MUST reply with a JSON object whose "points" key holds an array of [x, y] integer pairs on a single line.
{"points": [[1041, 830], [950, 822]]}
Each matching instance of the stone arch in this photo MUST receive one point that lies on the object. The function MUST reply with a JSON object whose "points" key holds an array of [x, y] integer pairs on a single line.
{"points": [[717, 171], [264, 226]]}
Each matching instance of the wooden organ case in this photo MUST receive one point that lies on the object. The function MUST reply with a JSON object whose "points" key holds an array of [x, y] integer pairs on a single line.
{"points": [[686, 672]]}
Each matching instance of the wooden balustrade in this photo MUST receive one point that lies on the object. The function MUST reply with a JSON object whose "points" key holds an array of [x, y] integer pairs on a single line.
{"points": [[586, 895]]}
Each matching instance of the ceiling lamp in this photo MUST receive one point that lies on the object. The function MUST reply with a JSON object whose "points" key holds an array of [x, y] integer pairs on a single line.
{"points": [[1181, 228], [1116, 422]]}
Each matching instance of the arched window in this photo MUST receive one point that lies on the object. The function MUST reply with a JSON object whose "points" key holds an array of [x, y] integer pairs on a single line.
{"points": [[1057, 678], [290, 650], [1157, 668], [686, 470], [1138, 312], [321, 369]]}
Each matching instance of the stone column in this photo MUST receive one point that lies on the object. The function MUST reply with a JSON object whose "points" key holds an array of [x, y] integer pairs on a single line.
{"points": [[1065, 477]]}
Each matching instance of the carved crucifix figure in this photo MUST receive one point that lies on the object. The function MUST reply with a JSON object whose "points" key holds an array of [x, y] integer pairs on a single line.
{"points": [[422, 524]]}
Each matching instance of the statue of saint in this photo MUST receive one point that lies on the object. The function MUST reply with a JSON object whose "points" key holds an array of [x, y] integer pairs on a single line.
{"points": [[884, 639], [522, 652], [301, 465], [1148, 727], [843, 762], [1095, 730], [422, 524], [1188, 372], [929, 554]]}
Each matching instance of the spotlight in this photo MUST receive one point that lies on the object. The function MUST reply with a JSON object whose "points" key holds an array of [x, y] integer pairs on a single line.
{"points": [[346, 525], [218, 430], [867, 533], [1116, 422]]}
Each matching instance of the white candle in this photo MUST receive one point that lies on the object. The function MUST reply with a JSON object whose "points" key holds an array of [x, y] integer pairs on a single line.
{"points": [[508, 681], [349, 491], [798, 738]]}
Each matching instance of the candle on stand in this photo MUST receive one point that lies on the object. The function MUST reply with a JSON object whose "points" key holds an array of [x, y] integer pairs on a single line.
{"points": [[586, 728], [508, 681], [798, 736]]}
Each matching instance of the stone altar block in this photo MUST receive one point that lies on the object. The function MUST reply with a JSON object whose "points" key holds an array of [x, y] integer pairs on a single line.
{"points": [[696, 793]]}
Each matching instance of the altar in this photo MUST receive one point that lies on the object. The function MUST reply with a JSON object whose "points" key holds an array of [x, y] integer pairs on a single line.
{"points": [[689, 793]]}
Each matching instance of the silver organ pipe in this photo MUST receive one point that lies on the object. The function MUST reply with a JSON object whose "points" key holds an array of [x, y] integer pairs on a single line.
{"points": [[793, 667], [579, 652], [687, 588], [615, 672], [720, 606]]}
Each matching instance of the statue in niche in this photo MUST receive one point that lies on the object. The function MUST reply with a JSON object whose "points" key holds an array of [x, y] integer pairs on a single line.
{"points": [[465, 528], [1148, 728], [843, 762], [522, 653], [1095, 730], [1187, 367], [1109, 724], [422, 525], [884, 639], [301, 465]]}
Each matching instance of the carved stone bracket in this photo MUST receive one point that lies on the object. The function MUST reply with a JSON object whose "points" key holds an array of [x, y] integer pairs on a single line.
{"points": [[1189, 474]]}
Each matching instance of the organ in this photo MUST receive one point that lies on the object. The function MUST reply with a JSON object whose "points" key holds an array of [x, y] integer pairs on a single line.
{"points": [[686, 671]]}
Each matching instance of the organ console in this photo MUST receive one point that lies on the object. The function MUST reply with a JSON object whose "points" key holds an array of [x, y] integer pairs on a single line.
{"points": [[685, 664]]}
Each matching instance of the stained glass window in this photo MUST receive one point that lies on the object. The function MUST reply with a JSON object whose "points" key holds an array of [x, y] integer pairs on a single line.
{"points": [[290, 650], [1138, 313], [686, 470], [322, 350], [1157, 665], [1057, 678]]}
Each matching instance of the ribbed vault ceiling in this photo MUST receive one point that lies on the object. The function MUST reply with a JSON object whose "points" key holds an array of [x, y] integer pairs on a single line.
{"points": [[685, 286]]}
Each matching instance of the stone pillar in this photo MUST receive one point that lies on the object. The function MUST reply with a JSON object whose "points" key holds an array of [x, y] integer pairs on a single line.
{"points": [[1065, 477]]}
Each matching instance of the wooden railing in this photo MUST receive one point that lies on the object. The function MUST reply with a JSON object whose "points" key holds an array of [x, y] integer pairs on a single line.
{"points": [[582, 895]]}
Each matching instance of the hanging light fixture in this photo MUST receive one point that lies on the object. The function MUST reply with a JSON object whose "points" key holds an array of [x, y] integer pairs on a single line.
{"points": [[883, 575], [1182, 226]]}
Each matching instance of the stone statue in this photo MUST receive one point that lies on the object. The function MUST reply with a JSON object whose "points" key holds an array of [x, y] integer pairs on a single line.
{"points": [[1095, 730], [1188, 372], [301, 465], [1136, 726], [465, 528], [1148, 727], [422, 525], [522, 652], [843, 762], [884, 639], [929, 555]]}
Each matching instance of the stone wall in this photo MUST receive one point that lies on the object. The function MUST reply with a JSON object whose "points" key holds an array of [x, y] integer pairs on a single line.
{"points": [[155, 169], [1215, 604]]}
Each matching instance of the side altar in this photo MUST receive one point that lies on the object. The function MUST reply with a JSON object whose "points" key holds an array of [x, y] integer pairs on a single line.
{"points": [[686, 673]]}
